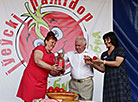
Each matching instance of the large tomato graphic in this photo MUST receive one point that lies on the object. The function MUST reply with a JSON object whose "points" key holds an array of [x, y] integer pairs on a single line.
{"points": [[65, 27], [66, 30]]}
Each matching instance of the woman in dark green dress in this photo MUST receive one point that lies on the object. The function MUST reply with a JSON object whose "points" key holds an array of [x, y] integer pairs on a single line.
{"points": [[112, 62]]}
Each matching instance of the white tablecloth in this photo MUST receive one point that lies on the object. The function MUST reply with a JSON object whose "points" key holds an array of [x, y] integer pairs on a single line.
{"points": [[53, 100]]}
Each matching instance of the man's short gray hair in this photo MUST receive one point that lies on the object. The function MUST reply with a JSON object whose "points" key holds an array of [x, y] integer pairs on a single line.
{"points": [[81, 38]]}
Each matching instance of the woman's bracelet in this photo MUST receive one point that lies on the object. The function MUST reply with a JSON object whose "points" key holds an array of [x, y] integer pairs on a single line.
{"points": [[104, 61]]}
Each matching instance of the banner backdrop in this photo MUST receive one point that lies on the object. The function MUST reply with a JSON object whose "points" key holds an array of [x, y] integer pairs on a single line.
{"points": [[24, 24], [125, 17]]}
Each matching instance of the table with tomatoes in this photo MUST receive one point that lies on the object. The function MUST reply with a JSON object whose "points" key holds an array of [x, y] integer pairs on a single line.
{"points": [[56, 94]]}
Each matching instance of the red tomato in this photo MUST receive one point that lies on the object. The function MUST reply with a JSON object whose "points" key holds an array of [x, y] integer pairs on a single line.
{"points": [[61, 90], [85, 59], [50, 90], [57, 88], [55, 91], [46, 90], [65, 91], [68, 92], [94, 57]]}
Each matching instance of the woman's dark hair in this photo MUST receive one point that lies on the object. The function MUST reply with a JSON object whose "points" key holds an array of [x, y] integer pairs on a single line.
{"points": [[50, 35], [113, 38]]}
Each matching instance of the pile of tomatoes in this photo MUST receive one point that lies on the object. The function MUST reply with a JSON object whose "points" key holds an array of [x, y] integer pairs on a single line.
{"points": [[55, 90]]}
